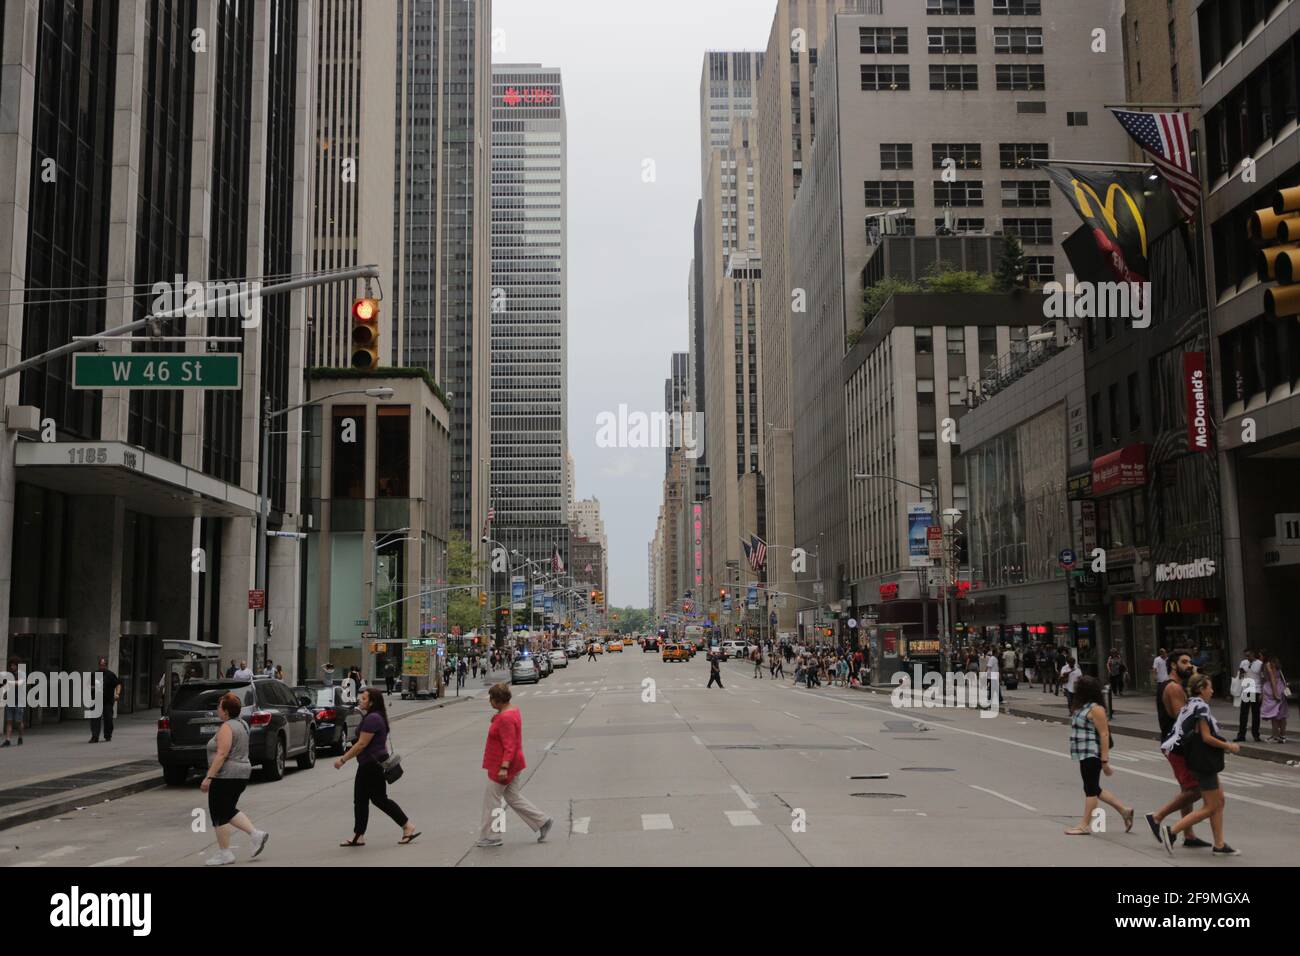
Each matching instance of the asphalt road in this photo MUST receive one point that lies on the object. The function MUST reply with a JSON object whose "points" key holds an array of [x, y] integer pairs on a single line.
{"points": [[759, 773]]}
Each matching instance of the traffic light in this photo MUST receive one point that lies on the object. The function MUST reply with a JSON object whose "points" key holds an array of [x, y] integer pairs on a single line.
{"points": [[722, 594], [365, 334], [482, 599], [593, 596]]}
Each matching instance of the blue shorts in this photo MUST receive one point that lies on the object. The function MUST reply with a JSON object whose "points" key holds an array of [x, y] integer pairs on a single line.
{"points": [[14, 715]]}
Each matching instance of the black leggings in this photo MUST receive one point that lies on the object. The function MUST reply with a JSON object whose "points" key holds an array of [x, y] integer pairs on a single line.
{"points": [[370, 787]]}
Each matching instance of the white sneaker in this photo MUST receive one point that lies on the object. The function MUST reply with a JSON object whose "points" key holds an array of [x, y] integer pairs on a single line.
{"points": [[259, 841], [220, 858], [545, 829]]}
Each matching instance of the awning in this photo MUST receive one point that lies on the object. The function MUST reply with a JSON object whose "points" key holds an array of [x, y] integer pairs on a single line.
{"points": [[150, 484], [1120, 470]]}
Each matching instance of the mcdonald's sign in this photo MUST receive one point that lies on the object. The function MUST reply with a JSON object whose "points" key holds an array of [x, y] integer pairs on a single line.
{"points": [[1162, 606]]}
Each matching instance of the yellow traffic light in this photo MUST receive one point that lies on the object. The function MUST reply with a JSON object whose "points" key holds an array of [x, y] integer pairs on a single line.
{"points": [[365, 334], [482, 599]]}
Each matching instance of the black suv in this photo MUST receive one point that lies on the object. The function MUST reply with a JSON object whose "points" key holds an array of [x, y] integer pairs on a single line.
{"points": [[279, 727], [337, 718]]}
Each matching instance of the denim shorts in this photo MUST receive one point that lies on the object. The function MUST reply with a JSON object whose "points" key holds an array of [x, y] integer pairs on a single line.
{"points": [[14, 715]]}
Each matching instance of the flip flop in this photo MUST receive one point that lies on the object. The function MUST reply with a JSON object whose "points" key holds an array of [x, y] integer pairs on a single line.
{"points": [[1075, 831], [1128, 822], [355, 841], [409, 839]]}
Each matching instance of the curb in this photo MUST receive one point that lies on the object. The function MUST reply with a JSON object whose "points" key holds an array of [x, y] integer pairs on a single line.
{"points": [[1255, 753], [137, 784]]}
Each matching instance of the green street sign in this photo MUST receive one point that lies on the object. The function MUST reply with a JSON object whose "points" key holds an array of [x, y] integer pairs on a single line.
{"points": [[156, 370]]}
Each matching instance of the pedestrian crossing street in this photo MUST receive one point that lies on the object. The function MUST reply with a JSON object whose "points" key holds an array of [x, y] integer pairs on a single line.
{"points": [[1238, 778]]}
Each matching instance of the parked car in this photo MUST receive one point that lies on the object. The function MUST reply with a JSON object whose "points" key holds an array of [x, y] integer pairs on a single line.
{"points": [[544, 666], [279, 726], [337, 720], [559, 659], [525, 671], [573, 650]]}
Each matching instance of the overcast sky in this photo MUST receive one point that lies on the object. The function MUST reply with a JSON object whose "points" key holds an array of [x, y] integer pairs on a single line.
{"points": [[631, 74]]}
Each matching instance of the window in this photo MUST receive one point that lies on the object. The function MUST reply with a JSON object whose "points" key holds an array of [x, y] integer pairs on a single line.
{"points": [[879, 194], [924, 341], [1031, 231], [965, 193], [1017, 8], [393, 452], [958, 226], [895, 155], [1094, 418], [886, 78], [882, 39], [1020, 76], [964, 155], [956, 341], [1020, 155], [1134, 402], [1112, 399], [889, 226], [1017, 39], [1031, 106], [1026, 192], [349, 459], [1040, 269], [947, 8], [1076, 119], [965, 77], [951, 39]]}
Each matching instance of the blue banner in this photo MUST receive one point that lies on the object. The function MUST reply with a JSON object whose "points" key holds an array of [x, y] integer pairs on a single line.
{"points": [[517, 593], [919, 519]]}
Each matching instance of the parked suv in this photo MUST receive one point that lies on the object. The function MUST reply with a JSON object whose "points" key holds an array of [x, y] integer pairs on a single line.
{"points": [[279, 727]]}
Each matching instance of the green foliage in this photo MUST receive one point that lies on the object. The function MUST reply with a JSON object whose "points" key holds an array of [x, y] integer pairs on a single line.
{"points": [[462, 568], [630, 619], [874, 299], [943, 278], [1011, 266]]}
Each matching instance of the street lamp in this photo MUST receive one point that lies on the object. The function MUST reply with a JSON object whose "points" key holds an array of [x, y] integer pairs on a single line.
{"points": [[263, 500]]}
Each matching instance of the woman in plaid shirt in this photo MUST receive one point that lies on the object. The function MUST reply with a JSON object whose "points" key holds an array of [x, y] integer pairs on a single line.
{"points": [[1090, 745]]}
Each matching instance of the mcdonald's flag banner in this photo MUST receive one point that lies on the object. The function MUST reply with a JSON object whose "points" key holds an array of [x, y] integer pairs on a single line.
{"points": [[1125, 211]]}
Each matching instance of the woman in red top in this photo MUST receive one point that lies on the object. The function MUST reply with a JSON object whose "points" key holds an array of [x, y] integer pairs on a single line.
{"points": [[503, 759]]}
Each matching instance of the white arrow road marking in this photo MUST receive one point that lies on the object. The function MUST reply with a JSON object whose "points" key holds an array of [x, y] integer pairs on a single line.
{"points": [[745, 798], [581, 824], [743, 818], [656, 821]]}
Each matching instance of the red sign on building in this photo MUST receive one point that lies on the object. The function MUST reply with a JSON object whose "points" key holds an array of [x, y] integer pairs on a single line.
{"points": [[256, 600], [1197, 388], [889, 592], [1126, 468]]}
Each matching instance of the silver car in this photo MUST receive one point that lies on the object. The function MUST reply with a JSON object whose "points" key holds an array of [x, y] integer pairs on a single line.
{"points": [[524, 671], [559, 659]]}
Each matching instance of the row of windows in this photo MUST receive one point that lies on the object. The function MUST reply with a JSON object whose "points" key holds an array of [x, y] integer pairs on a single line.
{"points": [[1226, 23], [897, 77], [893, 40], [878, 193], [966, 8], [963, 155]]}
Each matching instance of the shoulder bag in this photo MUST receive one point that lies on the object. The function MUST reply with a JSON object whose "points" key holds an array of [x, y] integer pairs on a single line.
{"points": [[392, 764], [1200, 756]]}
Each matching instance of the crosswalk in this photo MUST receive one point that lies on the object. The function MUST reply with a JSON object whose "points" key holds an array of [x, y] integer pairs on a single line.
{"points": [[1238, 778], [594, 687], [664, 821]]}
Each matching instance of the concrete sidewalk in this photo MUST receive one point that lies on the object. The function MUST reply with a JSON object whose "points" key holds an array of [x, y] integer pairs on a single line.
{"points": [[1135, 716], [57, 769]]}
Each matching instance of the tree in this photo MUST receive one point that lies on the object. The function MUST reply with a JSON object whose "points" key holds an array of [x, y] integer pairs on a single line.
{"points": [[874, 298], [943, 277], [462, 606], [1012, 270]]}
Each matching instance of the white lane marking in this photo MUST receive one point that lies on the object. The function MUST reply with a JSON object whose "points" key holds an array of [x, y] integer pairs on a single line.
{"points": [[1239, 780], [115, 861], [857, 741], [656, 821], [679, 716], [788, 714], [745, 798], [61, 851], [569, 721], [1278, 779], [1003, 796], [1052, 753], [743, 818], [697, 740], [549, 745], [581, 824], [554, 692], [756, 700]]}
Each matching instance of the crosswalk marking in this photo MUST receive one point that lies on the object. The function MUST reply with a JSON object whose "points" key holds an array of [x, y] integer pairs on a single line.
{"points": [[115, 861], [581, 824], [656, 821], [61, 851], [745, 798], [743, 818]]}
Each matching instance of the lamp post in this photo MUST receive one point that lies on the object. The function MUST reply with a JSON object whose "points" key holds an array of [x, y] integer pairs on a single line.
{"points": [[263, 500], [937, 518]]}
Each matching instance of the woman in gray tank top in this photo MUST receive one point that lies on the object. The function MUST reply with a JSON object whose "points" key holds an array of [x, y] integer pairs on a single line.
{"points": [[228, 773]]}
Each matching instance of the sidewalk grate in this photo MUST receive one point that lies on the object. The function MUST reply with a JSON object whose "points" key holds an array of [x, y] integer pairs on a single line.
{"points": [[76, 781]]}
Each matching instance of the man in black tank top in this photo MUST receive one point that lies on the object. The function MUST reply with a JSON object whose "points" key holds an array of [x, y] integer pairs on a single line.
{"points": [[1171, 698]]}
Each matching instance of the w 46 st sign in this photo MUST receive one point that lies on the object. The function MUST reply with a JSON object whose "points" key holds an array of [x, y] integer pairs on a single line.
{"points": [[155, 370]]}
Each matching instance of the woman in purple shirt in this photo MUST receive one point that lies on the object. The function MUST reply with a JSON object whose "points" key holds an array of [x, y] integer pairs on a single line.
{"points": [[370, 752]]}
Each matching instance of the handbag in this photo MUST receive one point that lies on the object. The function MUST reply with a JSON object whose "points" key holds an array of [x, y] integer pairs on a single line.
{"points": [[392, 764], [1200, 756]]}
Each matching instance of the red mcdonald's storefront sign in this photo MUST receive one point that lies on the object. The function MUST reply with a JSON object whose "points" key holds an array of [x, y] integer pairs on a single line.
{"points": [[1158, 606], [1126, 468], [1197, 388]]}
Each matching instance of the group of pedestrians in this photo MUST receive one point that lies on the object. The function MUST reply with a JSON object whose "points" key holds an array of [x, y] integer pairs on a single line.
{"points": [[1259, 689], [229, 770]]}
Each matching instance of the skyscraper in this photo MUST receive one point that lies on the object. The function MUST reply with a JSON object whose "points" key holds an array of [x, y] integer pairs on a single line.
{"points": [[529, 311]]}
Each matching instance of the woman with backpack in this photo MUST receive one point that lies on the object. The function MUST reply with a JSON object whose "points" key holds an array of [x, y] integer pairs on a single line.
{"points": [[1090, 746], [1197, 737], [371, 786]]}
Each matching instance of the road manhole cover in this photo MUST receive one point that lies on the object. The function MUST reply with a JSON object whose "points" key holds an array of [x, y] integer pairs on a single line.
{"points": [[928, 769], [881, 796]]}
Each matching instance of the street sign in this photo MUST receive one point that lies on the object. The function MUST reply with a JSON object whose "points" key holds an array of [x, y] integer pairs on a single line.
{"points": [[934, 538], [256, 600], [1068, 559], [213, 370]]}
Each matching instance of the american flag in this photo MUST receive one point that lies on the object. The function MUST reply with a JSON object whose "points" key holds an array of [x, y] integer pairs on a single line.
{"points": [[755, 551], [557, 562], [1167, 139]]}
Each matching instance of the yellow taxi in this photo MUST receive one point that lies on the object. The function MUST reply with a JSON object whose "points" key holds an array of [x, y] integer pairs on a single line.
{"points": [[599, 648], [676, 652], [616, 646]]}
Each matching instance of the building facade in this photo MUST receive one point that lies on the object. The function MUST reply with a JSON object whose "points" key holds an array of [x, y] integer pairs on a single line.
{"points": [[529, 317]]}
